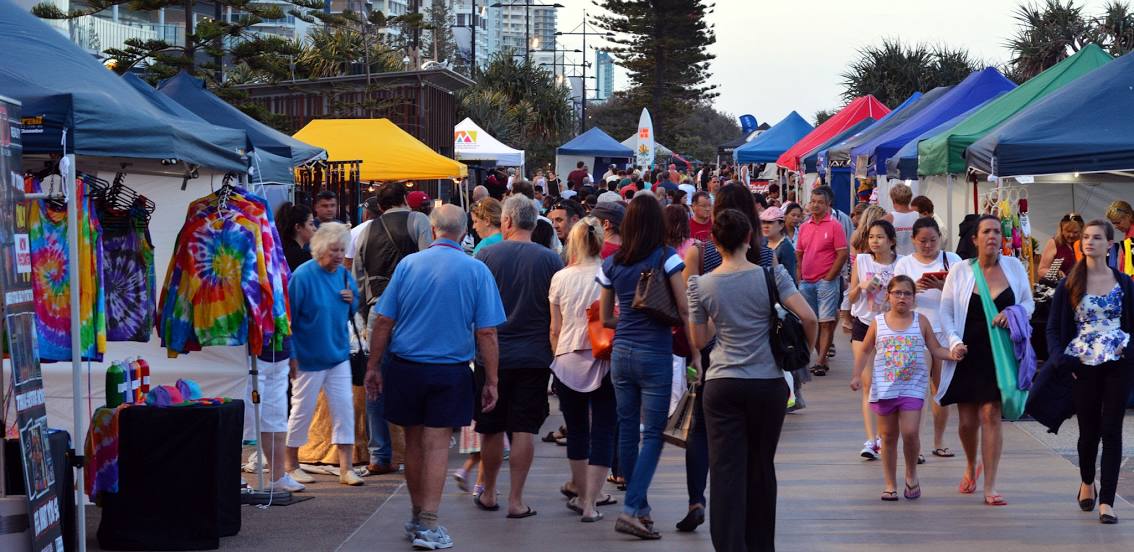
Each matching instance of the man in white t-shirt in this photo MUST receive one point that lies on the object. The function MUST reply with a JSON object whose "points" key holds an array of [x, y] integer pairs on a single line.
{"points": [[903, 218]]}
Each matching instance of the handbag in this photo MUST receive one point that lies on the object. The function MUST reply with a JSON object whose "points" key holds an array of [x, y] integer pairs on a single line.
{"points": [[677, 426], [359, 358], [654, 296], [1012, 399], [602, 338], [785, 334]]}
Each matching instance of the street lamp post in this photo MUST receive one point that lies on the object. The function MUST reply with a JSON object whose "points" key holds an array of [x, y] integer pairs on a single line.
{"points": [[584, 33], [527, 22], [473, 26]]}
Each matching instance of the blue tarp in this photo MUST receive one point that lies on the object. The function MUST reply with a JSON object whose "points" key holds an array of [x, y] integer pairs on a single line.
{"points": [[772, 143], [62, 87], [840, 153], [597, 143], [811, 159], [1085, 126], [190, 92], [903, 164], [977, 88]]}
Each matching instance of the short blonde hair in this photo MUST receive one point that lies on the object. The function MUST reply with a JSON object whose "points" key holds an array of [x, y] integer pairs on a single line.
{"points": [[901, 194], [584, 243], [1118, 209], [328, 235], [488, 210]]}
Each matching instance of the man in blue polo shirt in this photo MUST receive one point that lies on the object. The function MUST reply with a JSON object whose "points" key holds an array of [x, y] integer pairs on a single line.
{"points": [[440, 308]]}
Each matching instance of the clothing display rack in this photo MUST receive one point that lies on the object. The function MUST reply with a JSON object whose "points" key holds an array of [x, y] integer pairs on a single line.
{"points": [[340, 177]]}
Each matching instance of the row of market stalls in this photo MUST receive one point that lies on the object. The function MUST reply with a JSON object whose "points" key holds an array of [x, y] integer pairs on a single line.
{"points": [[1063, 138]]}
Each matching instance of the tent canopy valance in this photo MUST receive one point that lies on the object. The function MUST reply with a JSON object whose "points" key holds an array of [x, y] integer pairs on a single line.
{"points": [[65, 90], [470, 142], [810, 160], [386, 151], [857, 110], [772, 143]]}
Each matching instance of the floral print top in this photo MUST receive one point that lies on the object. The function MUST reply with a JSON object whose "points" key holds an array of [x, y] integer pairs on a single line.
{"points": [[1100, 338]]}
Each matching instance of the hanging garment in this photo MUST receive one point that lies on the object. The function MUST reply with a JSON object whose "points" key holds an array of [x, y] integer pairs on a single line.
{"points": [[129, 276]]}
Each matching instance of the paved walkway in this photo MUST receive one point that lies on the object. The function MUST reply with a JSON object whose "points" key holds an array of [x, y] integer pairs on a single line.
{"points": [[828, 497]]}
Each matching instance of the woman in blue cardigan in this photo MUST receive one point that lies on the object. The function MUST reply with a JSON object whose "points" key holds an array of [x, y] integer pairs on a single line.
{"points": [[1089, 330]]}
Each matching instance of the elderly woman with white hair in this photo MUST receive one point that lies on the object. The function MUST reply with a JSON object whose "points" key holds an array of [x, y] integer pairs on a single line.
{"points": [[323, 298]]}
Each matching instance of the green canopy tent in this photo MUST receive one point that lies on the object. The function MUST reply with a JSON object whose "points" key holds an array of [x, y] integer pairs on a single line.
{"points": [[944, 153]]}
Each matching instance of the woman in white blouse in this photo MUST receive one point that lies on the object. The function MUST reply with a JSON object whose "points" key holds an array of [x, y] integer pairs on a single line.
{"points": [[970, 383]]}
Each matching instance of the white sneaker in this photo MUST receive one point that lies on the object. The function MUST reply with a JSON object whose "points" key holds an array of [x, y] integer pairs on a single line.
{"points": [[437, 539], [350, 478], [300, 476], [868, 451], [286, 483]]}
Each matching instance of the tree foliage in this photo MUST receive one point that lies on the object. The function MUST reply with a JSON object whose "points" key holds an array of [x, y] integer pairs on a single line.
{"points": [[822, 115], [663, 44], [1050, 32], [696, 133], [439, 44], [892, 71], [521, 105]]}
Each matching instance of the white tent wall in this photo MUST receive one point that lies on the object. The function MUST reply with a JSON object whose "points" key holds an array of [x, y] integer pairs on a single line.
{"points": [[221, 371], [564, 164]]}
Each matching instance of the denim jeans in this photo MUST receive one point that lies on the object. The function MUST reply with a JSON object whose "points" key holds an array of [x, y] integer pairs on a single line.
{"points": [[381, 450], [642, 381]]}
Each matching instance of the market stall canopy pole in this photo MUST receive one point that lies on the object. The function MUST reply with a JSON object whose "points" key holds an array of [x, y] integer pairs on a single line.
{"points": [[386, 151]]}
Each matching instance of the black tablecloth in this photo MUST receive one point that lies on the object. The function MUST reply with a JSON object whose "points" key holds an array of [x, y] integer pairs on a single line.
{"points": [[178, 478]]}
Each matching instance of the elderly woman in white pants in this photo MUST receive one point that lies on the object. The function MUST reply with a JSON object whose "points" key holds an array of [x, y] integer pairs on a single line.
{"points": [[323, 298]]}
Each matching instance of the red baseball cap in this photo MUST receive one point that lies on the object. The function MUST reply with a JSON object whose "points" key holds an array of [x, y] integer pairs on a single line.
{"points": [[416, 199]]}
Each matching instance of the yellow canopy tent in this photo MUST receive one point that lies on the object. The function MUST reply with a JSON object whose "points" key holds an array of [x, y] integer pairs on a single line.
{"points": [[386, 151]]}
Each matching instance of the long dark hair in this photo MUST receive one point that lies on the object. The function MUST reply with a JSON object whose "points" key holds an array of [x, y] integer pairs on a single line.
{"points": [[642, 230], [888, 229], [736, 196], [289, 216], [730, 227], [676, 225], [1076, 282]]}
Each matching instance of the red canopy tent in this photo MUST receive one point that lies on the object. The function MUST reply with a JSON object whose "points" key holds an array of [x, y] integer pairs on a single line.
{"points": [[859, 109]]}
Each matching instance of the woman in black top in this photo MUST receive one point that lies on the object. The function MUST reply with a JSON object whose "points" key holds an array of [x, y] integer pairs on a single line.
{"points": [[296, 225]]}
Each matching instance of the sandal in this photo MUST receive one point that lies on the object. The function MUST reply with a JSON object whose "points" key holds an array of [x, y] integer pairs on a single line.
{"points": [[607, 501], [525, 514], [890, 496], [628, 527], [943, 452], [573, 505], [567, 492], [995, 500], [920, 459], [968, 486], [483, 506], [819, 370], [549, 438], [591, 519], [912, 493]]}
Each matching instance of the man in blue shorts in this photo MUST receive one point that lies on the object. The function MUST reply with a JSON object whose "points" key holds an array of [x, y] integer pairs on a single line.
{"points": [[439, 309], [821, 252]]}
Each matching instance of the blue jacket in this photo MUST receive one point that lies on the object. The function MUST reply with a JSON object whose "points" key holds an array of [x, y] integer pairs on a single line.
{"points": [[1050, 401]]}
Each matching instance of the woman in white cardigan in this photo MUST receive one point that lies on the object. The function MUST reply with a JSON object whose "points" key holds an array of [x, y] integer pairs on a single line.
{"points": [[971, 382]]}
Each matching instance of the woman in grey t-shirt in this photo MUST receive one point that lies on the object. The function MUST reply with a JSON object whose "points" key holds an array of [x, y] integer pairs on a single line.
{"points": [[745, 393]]}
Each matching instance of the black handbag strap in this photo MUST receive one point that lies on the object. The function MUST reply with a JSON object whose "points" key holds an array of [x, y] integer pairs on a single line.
{"points": [[945, 260], [350, 317], [773, 292]]}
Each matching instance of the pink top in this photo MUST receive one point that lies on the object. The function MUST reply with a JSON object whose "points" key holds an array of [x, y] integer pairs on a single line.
{"points": [[819, 241]]}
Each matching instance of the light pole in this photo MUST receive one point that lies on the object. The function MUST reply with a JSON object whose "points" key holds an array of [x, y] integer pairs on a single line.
{"points": [[584, 33], [527, 22], [473, 26], [556, 62]]}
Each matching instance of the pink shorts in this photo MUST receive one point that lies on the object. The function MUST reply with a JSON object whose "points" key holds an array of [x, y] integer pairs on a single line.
{"points": [[885, 407]]}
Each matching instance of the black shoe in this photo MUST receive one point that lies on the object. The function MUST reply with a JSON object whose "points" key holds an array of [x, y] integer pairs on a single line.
{"points": [[1108, 519], [1086, 504], [819, 370], [831, 352], [694, 518]]}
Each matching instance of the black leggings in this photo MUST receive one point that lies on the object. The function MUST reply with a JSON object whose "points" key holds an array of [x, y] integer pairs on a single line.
{"points": [[744, 418], [1100, 394]]}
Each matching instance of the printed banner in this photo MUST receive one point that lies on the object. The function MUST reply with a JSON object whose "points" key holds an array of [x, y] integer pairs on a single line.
{"points": [[644, 154]]}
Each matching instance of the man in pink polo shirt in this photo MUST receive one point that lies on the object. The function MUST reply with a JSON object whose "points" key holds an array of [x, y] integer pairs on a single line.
{"points": [[821, 252]]}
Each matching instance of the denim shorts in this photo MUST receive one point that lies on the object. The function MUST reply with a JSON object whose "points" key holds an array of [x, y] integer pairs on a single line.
{"points": [[824, 298]]}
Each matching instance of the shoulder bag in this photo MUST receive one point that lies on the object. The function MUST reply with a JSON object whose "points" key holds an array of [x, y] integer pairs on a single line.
{"points": [[1012, 399], [786, 336], [602, 338], [654, 296], [359, 358], [677, 426]]}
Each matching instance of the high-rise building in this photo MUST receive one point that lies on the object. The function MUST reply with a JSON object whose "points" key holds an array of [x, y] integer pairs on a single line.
{"points": [[604, 73], [522, 28], [471, 16]]}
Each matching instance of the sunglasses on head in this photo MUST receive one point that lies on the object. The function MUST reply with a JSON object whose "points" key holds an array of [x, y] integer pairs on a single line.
{"points": [[1072, 217]]}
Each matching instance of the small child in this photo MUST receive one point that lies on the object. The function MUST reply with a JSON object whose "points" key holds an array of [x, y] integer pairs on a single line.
{"points": [[899, 340], [470, 445]]}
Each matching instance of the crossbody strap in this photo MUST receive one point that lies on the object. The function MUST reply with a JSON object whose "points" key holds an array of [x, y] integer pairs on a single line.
{"points": [[350, 317]]}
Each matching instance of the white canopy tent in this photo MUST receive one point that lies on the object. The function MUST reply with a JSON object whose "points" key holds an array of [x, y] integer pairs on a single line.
{"points": [[472, 143]]}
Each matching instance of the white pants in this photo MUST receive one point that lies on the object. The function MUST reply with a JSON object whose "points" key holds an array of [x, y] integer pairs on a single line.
{"points": [[335, 383], [273, 400]]}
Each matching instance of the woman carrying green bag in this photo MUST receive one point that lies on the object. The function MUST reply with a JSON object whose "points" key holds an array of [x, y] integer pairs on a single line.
{"points": [[972, 304]]}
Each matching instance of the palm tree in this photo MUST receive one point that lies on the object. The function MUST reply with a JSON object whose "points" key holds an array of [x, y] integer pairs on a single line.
{"points": [[1114, 28], [1047, 35], [893, 71]]}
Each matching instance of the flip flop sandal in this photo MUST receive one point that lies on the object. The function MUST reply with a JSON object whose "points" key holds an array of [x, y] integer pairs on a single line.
{"points": [[567, 492], [573, 505], [483, 506], [968, 486], [591, 519], [549, 438], [943, 452], [625, 527], [995, 500], [607, 501], [890, 496], [912, 493], [525, 514], [920, 459]]}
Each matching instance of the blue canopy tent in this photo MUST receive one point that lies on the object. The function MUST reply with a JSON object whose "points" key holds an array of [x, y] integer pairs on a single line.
{"points": [[772, 143], [1075, 129], [72, 102], [811, 159], [595, 149], [190, 92], [840, 154], [977, 88], [903, 164]]}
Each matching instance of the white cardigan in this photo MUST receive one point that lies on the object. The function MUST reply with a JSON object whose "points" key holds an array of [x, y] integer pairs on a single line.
{"points": [[955, 298]]}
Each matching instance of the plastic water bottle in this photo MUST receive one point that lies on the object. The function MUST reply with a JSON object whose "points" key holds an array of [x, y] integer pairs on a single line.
{"points": [[144, 370], [115, 385]]}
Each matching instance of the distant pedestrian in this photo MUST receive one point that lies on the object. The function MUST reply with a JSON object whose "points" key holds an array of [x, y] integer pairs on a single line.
{"points": [[903, 217]]}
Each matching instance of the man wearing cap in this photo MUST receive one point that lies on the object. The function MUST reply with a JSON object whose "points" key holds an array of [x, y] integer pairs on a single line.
{"points": [[388, 239], [440, 308], [610, 214], [419, 201]]}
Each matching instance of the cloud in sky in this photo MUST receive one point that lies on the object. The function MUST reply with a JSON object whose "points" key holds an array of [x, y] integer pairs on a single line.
{"points": [[776, 56]]}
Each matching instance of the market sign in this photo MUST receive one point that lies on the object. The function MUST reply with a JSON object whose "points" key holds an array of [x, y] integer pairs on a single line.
{"points": [[644, 153]]}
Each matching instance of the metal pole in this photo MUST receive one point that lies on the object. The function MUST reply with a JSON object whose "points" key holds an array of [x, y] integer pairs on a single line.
{"points": [[583, 122], [949, 202], [254, 373], [528, 33], [475, 25], [76, 341]]}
